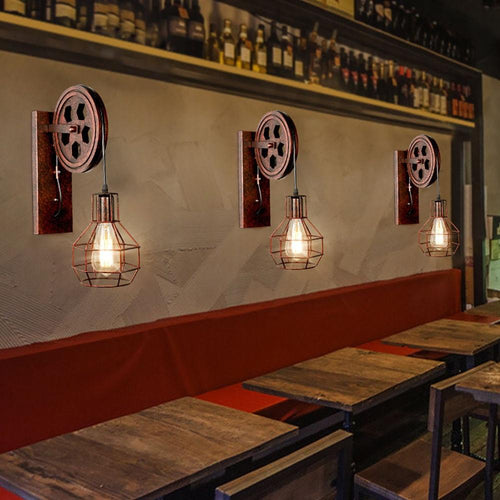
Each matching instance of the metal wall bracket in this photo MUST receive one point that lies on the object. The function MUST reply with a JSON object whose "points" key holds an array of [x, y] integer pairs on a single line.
{"points": [[406, 208]]}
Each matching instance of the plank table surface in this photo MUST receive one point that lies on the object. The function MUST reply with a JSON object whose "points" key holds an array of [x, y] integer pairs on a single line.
{"points": [[143, 455], [449, 336], [350, 379], [489, 309], [483, 385]]}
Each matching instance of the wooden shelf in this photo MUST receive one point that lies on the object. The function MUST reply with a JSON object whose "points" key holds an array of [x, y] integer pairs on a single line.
{"points": [[41, 39]]}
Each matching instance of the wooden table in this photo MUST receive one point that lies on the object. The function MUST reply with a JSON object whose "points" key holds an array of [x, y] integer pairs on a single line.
{"points": [[489, 309], [461, 338], [484, 386], [351, 380], [144, 455]]}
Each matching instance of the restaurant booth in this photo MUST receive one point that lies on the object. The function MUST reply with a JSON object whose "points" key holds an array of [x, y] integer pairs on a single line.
{"points": [[284, 284]]}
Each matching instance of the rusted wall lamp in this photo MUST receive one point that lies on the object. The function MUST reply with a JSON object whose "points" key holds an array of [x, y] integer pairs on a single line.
{"points": [[105, 255], [418, 167], [272, 151]]}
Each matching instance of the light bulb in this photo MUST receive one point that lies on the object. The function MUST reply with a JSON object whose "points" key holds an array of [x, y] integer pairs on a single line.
{"points": [[439, 238], [296, 244], [105, 250]]}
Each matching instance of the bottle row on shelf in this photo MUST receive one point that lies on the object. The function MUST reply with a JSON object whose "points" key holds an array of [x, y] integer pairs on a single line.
{"points": [[179, 26], [404, 20]]}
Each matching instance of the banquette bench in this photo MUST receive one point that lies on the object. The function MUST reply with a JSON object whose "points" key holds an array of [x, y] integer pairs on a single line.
{"points": [[60, 386]]}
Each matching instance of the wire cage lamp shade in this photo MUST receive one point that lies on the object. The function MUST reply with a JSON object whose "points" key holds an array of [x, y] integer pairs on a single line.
{"points": [[105, 255], [439, 237], [296, 243]]}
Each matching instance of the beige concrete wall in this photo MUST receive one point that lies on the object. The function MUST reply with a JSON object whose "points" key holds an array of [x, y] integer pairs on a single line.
{"points": [[491, 104], [172, 157]]}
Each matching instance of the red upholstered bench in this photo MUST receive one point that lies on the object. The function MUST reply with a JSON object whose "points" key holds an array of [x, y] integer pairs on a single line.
{"points": [[56, 387]]}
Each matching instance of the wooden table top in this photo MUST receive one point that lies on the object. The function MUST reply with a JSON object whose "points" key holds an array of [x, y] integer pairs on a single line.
{"points": [[349, 379], [489, 309], [143, 455], [484, 385], [465, 338]]}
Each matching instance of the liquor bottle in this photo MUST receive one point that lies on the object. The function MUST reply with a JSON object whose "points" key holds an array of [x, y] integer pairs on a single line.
{"points": [[140, 23], [228, 45], [461, 101], [397, 13], [332, 63], [370, 12], [412, 87], [402, 86], [127, 20], [244, 49], [195, 30], [362, 75], [361, 11], [314, 54], [435, 104], [324, 62], [392, 85], [14, 7], [425, 91], [373, 77], [274, 54], [213, 51], [353, 73], [113, 13], [379, 14], [100, 17], [300, 63], [34, 9], [388, 26], [415, 26], [382, 80], [260, 51], [443, 107], [64, 12], [472, 108], [153, 24], [82, 14], [344, 68], [454, 100], [287, 53], [176, 27]]}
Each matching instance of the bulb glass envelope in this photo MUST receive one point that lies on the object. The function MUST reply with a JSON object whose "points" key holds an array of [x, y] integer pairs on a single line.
{"points": [[296, 243], [105, 255], [439, 237]]}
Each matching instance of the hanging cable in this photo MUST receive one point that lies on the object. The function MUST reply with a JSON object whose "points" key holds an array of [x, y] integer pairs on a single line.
{"points": [[59, 191], [104, 170], [295, 188]]}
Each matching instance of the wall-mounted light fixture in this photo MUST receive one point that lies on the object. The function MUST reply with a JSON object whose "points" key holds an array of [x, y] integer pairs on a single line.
{"points": [[272, 151], [105, 255], [415, 168]]}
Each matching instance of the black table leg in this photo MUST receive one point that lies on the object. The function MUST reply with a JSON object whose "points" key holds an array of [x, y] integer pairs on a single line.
{"points": [[490, 452]]}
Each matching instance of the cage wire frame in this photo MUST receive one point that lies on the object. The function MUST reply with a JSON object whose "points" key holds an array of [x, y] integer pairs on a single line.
{"points": [[105, 210], [425, 234], [296, 209]]}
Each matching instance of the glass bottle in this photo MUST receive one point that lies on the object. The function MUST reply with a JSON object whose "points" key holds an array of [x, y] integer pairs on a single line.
{"points": [[379, 14], [353, 72], [314, 55], [113, 13], [228, 45], [195, 30], [140, 22], [287, 53], [442, 98], [64, 13], [425, 91], [213, 51], [388, 26], [363, 74], [127, 20], [274, 54], [344, 68], [244, 49], [333, 62], [260, 51], [417, 94], [176, 27], [454, 100], [300, 62], [100, 17], [382, 80], [410, 81], [373, 78], [402, 86], [34, 9], [324, 62], [14, 7], [370, 12], [461, 101], [82, 14], [392, 84], [153, 24], [435, 96], [361, 11]]}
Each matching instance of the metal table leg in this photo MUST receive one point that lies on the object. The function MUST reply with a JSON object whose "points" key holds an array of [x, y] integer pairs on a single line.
{"points": [[490, 452]]}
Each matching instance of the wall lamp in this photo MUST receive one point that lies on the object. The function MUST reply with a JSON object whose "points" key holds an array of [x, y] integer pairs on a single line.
{"points": [[416, 168], [74, 136], [271, 151]]}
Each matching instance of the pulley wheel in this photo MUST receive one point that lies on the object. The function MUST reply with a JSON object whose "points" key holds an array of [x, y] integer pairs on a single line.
{"points": [[80, 151], [277, 142], [424, 161]]}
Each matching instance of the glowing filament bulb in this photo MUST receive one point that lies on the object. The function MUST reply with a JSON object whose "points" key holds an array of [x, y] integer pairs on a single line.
{"points": [[296, 244], [440, 236], [105, 251]]}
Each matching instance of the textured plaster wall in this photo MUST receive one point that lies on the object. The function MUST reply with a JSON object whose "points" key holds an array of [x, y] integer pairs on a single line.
{"points": [[491, 103], [172, 157]]}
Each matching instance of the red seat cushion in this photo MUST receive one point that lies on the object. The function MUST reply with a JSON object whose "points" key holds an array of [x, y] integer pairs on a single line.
{"points": [[7, 495], [235, 396], [379, 346]]}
